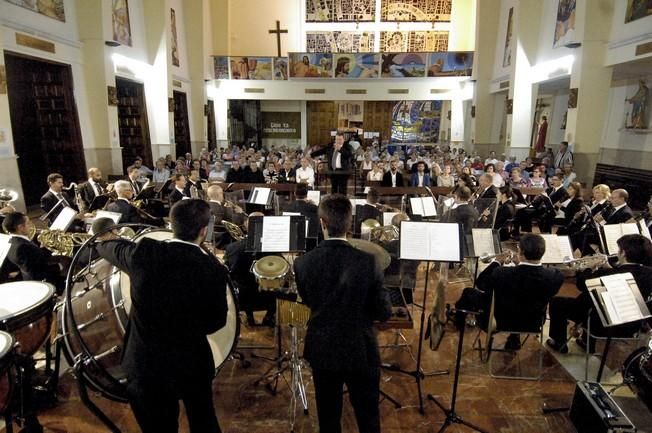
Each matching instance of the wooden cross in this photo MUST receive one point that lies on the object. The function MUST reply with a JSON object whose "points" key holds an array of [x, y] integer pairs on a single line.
{"points": [[278, 32]]}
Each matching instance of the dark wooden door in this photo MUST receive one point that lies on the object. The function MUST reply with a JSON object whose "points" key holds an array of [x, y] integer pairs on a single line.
{"points": [[322, 119], [212, 130], [181, 126], [44, 122], [132, 118]]}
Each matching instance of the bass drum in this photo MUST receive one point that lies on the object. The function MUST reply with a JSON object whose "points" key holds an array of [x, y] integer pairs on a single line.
{"points": [[637, 373], [94, 321]]}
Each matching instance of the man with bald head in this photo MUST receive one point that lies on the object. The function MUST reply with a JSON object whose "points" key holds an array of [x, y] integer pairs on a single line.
{"points": [[621, 211], [92, 188]]}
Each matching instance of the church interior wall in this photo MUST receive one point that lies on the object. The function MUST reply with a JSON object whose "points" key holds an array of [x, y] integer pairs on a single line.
{"points": [[558, 109]]}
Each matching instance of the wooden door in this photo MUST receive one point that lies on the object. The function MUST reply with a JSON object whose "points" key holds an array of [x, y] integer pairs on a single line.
{"points": [[44, 122], [212, 129], [132, 121], [322, 119], [181, 125]]}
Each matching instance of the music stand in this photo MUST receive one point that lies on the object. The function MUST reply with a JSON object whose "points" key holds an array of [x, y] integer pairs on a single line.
{"points": [[99, 202], [147, 193], [481, 243], [429, 242]]}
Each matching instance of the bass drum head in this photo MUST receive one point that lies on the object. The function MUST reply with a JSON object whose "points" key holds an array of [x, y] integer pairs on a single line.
{"points": [[222, 342], [637, 373]]}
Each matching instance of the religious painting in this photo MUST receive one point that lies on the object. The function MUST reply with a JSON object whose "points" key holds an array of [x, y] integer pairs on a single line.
{"points": [[356, 65], [637, 9], [507, 54], [416, 10], [311, 65], [221, 67], [3, 80], [120, 20], [280, 68], [416, 121], [401, 65], [50, 8], [340, 42], [319, 11], [251, 68], [413, 41], [451, 64], [565, 25], [112, 95], [175, 40]]}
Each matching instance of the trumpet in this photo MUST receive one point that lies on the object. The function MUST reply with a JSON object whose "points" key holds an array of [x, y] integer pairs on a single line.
{"points": [[504, 257]]}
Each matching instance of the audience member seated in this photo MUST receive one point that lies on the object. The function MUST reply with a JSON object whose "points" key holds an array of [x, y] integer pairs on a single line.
{"points": [[393, 178], [420, 177], [446, 179], [305, 173]]}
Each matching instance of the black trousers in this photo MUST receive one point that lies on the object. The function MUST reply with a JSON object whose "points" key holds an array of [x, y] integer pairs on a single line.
{"points": [[363, 389], [155, 404], [339, 182], [473, 299]]}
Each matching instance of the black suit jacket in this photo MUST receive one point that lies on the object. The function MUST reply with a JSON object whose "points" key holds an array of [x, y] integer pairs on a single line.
{"points": [[87, 193], [599, 208], [345, 157], [31, 260], [309, 210], [343, 288], [171, 312], [175, 196], [466, 215], [489, 193], [573, 207], [387, 179], [186, 190], [622, 215], [557, 196], [235, 175], [49, 200], [522, 293], [126, 209]]}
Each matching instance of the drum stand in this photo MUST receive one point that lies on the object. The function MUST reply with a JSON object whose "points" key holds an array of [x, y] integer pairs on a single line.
{"points": [[78, 372]]}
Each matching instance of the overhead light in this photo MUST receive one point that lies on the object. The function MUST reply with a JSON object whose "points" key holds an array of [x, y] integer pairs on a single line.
{"points": [[573, 45], [112, 44]]}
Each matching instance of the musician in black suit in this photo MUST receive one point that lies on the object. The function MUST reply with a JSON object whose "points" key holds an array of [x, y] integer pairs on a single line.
{"points": [[522, 292], [621, 212], [486, 188], [133, 174], [393, 177], [461, 212], [570, 207], [55, 194], [505, 213], [369, 210], [343, 288], [123, 205], [339, 163], [193, 180], [26, 256], [179, 191], [542, 208], [634, 256], [92, 188], [167, 357]]}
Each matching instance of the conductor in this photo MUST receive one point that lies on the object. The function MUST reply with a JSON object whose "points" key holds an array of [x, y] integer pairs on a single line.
{"points": [[167, 357], [339, 163], [341, 344]]}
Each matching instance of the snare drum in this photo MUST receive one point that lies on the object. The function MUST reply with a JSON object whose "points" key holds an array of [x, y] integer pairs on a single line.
{"points": [[26, 309], [271, 272], [6, 383], [95, 316]]}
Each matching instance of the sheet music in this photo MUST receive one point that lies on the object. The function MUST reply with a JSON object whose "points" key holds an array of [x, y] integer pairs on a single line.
{"points": [[622, 298], [260, 196], [276, 234], [64, 219], [115, 216], [417, 206], [613, 232], [430, 241], [429, 208], [558, 249], [4, 247], [314, 196], [644, 229], [483, 242], [387, 218], [357, 202]]}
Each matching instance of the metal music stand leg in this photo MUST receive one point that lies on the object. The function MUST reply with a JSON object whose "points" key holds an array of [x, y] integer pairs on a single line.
{"points": [[83, 394], [451, 415]]}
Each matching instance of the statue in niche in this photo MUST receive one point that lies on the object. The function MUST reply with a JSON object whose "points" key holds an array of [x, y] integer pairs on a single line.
{"points": [[639, 106], [540, 144]]}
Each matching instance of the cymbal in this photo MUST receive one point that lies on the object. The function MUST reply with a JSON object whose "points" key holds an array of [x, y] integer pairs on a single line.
{"points": [[383, 258]]}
